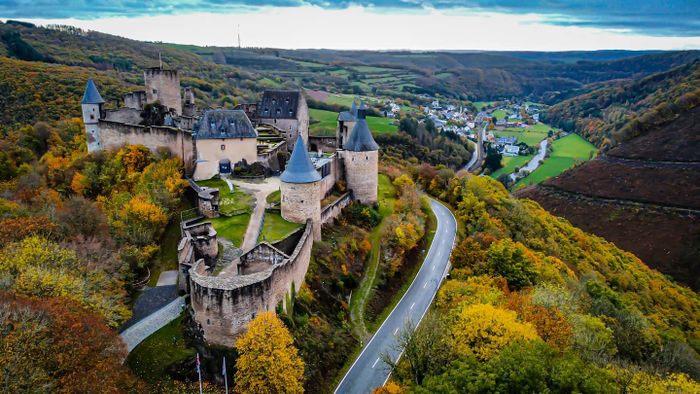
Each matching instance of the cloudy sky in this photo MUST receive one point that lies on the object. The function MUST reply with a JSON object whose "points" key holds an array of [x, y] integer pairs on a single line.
{"points": [[383, 24]]}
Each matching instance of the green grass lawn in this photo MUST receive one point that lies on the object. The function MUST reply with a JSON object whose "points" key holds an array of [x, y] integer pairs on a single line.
{"points": [[228, 202], [532, 138], [327, 122], [274, 197], [499, 114], [231, 228], [566, 152], [275, 228], [480, 104], [167, 256], [150, 359], [509, 164]]}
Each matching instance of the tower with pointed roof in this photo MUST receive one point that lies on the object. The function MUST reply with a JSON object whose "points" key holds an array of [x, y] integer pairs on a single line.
{"points": [[361, 158], [92, 112], [301, 189]]}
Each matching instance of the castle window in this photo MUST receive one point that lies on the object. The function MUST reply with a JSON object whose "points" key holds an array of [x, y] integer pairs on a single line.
{"points": [[279, 111], [223, 147], [366, 157], [208, 322], [290, 112], [92, 117], [155, 91]]}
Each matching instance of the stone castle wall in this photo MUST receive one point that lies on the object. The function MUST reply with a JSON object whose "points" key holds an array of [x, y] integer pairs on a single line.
{"points": [[300, 202], [223, 306], [336, 174], [163, 86], [361, 173], [332, 211], [114, 135]]}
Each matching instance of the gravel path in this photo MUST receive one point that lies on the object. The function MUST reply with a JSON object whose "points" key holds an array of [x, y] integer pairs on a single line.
{"points": [[260, 191]]}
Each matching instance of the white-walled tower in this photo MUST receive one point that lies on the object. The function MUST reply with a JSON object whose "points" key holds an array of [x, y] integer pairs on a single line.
{"points": [[361, 157], [92, 112], [301, 189]]}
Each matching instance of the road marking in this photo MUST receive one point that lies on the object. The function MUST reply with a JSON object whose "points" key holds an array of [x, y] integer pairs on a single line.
{"points": [[433, 268], [395, 331], [425, 285], [412, 305], [375, 362]]}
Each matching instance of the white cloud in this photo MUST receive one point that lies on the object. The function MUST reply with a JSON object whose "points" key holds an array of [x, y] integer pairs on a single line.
{"points": [[360, 28]]}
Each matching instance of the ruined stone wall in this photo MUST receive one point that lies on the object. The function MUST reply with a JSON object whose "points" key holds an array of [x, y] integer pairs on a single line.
{"points": [[199, 241], [270, 158], [333, 210], [209, 152], [325, 143], [123, 115], [114, 135], [300, 202], [163, 86], [361, 173], [135, 100], [336, 174], [223, 306]]}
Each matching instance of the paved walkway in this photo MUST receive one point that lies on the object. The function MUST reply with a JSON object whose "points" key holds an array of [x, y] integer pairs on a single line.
{"points": [[260, 190], [167, 278], [135, 334]]}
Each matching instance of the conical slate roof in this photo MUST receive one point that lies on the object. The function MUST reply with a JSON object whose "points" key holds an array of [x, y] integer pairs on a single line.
{"points": [[360, 139], [299, 167], [92, 96]]}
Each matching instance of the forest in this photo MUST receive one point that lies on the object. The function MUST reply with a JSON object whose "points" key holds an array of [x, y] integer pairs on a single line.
{"points": [[534, 304]]}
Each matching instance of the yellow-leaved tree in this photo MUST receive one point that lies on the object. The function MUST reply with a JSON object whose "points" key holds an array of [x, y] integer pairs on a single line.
{"points": [[267, 360], [483, 330]]}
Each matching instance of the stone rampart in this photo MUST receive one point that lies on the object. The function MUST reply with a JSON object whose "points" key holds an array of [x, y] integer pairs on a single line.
{"points": [[223, 305], [334, 209]]}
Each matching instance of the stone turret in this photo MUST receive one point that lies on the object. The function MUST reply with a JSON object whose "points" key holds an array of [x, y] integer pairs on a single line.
{"points": [[361, 158], [301, 189], [92, 113], [163, 86]]}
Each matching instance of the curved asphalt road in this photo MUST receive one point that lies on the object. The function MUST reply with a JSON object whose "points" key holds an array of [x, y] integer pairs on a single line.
{"points": [[369, 371]]}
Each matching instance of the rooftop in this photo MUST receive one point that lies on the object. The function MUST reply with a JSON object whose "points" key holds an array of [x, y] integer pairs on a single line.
{"points": [[224, 123], [92, 96], [279, 104], [299, 167], [360, 139]]}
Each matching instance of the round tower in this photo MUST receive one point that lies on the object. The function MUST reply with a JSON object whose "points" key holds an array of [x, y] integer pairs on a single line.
{"points": [[301, 189], [92, 110], [361, 157]]}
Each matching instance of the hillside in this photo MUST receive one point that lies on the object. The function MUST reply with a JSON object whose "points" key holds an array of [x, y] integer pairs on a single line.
{"points": [[226, 76], [534, 304], [641, 195], [621, 110]]}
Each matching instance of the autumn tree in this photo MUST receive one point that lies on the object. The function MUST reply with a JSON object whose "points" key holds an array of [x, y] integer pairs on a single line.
{"points": [[483, 330], [54, 345], [268, 362]]}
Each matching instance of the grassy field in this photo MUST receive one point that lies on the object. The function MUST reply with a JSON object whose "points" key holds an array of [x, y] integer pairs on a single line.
{"points": [[481, 104], [386, 197], [565, 153], [231, 228], [509, 164], [274, 197], [529, 137], [150, 359], [499, 114], [229, 202], [276, 228], [327, 123]]}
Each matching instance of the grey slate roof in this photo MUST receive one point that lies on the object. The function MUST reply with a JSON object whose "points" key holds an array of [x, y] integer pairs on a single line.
{"points": [[299, 167], [279, 104], [360, 139], [224, 123], [92, 96], [349, 116]]}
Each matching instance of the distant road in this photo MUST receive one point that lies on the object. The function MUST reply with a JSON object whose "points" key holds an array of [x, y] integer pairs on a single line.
{"points": [[478, 155], [369, 371]]}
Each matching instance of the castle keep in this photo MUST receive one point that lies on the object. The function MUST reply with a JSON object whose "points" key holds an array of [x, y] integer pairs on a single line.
{"points": [[227, 290]]}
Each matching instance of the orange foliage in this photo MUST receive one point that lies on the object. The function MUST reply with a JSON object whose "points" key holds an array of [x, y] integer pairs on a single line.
{"points": [[550, 323], [15, 229]]}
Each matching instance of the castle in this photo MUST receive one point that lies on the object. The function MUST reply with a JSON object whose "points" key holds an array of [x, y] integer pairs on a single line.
{"points": [[226, 293]]}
